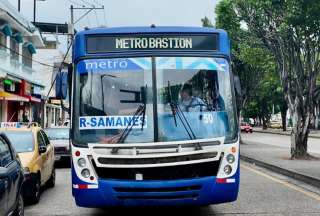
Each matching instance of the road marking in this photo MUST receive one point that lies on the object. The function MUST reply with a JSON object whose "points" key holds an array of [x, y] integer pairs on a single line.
{"points": [[291, 186]]}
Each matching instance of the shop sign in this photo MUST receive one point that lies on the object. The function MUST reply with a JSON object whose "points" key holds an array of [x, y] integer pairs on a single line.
{"points": [[10, 125]]}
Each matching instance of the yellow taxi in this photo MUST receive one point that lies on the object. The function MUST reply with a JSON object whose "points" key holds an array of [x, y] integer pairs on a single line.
{"points": [[37, 157]]}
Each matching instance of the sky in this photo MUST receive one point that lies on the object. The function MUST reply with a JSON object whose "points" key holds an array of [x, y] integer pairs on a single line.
{"points": [[122, 12]]}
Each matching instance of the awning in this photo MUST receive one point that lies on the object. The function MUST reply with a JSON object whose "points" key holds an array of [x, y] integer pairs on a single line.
{"points": [[6, 29], [12, 97], [30, 47], [32, 99], [35, 99], [18, 37]]}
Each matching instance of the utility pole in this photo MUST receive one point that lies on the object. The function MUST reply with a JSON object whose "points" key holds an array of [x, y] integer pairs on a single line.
{"points": [[34, 10], [88, 10], [19, 5], [72, 24]]}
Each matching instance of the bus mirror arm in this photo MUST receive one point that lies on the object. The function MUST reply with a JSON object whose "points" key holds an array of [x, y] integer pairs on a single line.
{"points": [[70, 71], [237, 85]]}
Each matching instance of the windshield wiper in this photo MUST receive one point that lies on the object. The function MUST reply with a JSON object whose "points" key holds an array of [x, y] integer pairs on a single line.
{"points": [[127, 130], [172, 106], [175, 109], [141, 110], [144, 99]]}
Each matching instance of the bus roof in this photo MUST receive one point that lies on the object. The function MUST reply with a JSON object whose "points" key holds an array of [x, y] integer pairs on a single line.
{"points": [[142, 29], [79, 48]]}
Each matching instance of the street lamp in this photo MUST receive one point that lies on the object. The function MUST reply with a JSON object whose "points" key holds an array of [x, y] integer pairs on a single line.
{"points": [[34, 9]]}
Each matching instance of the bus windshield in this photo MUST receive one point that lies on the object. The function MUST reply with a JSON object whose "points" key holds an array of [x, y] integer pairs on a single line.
{"points": [[140, 100]]}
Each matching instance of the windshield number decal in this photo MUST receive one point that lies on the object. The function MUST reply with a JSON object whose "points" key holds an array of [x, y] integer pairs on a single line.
{"points": [[208, 118]]}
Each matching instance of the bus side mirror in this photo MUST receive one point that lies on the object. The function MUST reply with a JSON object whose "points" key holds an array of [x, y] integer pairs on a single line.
{"points": [[70, 74], [61, 85]]}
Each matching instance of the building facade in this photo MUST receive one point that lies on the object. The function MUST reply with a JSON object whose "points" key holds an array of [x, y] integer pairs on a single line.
{"points": [[50, 54], [21, 96]]}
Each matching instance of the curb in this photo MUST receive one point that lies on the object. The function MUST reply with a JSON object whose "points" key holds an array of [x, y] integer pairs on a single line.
{"points": [[292, 174], [284, 134]]}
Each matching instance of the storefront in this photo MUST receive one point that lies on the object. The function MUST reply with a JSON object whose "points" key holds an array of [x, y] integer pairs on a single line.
{"points": [[53, 115], [17, 102], [12, 104]]}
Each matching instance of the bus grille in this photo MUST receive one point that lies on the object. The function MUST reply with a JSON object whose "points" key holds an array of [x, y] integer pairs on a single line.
{"points": [[167, 193], [129, 161], [160, 173]]}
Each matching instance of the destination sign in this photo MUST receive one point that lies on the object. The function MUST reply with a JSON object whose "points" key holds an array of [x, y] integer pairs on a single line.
{"points": [[102, 44]]}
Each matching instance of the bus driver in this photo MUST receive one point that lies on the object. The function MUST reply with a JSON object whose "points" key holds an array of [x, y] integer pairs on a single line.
{"points": [[188, 102]]}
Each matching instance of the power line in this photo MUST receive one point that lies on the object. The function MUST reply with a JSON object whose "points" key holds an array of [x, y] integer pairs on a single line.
{"points": [[95, 12], [76, 3], [27, 57], [96, 2], [105, 16], [88, 3]]}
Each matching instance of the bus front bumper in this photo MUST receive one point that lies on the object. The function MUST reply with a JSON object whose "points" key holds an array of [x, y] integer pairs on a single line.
{"points": [[198, 191]]}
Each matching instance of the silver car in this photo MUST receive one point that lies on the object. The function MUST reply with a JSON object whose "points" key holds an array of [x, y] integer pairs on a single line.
{"points": [[59, 137]]}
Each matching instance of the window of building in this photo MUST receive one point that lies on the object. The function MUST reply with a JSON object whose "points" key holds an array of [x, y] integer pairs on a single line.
{"points": [[3, 41], [26, 56], [14, 49]]}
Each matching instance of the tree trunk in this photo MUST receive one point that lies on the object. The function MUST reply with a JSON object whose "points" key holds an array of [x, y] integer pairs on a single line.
{"points": [[284, 119], [299, 135], [264, 123], [317, 123]]}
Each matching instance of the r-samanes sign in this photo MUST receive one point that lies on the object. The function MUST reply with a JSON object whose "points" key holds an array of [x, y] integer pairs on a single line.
{"points": [[106, 43]]}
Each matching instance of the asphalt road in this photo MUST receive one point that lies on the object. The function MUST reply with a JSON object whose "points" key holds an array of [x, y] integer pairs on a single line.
{"points": [[262, 193], [279, 140]]}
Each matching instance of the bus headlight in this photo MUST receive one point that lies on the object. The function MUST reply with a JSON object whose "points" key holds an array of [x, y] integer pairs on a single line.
{"points": [[227, 169], [85, 173], [81, 162], [230, 158]]}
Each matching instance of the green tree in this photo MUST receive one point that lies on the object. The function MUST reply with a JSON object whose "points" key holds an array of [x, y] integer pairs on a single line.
{"points": [[250, 60], [290, 30]]}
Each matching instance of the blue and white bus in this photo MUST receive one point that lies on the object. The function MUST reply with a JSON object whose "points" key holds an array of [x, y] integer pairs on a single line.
{"points": [[154, 119]]}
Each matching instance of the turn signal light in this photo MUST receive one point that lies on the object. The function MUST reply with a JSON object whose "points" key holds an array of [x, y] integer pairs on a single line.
{"points": [[233, 149]]}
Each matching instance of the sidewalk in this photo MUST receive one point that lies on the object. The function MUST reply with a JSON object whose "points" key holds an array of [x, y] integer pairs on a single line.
{"points": [[277, 159], [313, 133]]}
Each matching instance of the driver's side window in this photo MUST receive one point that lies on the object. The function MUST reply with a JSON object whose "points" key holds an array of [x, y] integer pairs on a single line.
{"points": [[45, 137]]}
